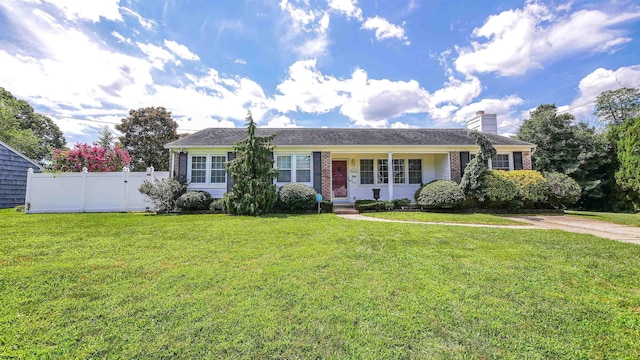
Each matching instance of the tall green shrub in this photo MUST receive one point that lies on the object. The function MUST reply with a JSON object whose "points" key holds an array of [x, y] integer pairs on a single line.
{"points": [[563, 190], [441, 194], [497, 191], [253, 192], [532, 188], [471, 182]]}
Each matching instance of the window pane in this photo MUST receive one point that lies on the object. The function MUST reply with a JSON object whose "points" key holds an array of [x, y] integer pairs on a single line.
{"points": [[303, 162], [199, 169], [383, 172], [284, 175], [283, 162], [366, 171], [415, 171], [218, 174], [303, 175], [500, 162], [398, 171]]}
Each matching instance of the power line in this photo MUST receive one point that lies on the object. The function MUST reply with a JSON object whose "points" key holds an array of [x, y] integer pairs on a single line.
{"points": [[107, 122]]}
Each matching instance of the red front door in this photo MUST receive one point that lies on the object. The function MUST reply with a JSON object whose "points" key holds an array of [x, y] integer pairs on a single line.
{"points": [[339, 178]]}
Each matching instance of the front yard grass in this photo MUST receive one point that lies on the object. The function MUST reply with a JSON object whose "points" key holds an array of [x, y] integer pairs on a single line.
{"points": [[458, 218], [309, 286], [616, 218]]}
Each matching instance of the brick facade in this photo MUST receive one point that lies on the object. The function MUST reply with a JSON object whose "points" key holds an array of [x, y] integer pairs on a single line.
{"points": [[454, 160], [526, 160], [326, 175]]}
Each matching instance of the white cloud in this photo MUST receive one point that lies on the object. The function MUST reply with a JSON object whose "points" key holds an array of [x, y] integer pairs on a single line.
{"points": [[88, 10], [307, 32], [180, 50], [349, 8], [401, 125], [385, 30], [240, 61], [146, 23], [505, 108], [120, 37], [597, 82], [521, 39], [157, 55], [281, 121]]}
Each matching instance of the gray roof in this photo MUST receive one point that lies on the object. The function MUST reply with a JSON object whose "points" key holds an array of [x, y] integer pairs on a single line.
{"points": [[338, 137]]}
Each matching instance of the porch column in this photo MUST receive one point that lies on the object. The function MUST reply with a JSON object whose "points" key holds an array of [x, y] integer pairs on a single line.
{"points": [[390, 174]]}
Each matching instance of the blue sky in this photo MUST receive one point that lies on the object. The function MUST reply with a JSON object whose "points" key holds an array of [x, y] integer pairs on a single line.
{"points": [[333, 63]]}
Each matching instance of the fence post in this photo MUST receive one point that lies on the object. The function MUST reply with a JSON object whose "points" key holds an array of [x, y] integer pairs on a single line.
{"points": [[27, 198], [83, 189], [125, 176]]}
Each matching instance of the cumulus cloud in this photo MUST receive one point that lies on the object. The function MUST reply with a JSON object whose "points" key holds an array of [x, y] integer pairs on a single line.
{"points": [[240, 61], [515, 41], [281, 121], [306, 33], [157, 55], [385, 30], [348, 8], [597, 82], [181, 50], [120, 37], [87, 10]]}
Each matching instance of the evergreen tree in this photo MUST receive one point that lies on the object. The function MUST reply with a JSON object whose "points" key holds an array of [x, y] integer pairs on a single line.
{"points": [[253, 192], [106, 138], [628, 174], [471, 182]]}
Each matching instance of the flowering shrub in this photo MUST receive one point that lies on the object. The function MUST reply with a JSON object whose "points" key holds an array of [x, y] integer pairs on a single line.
{"points": [[94, 157]]}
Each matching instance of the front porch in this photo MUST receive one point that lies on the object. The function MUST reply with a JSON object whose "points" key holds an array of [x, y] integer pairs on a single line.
{"points": [[347, 177]]}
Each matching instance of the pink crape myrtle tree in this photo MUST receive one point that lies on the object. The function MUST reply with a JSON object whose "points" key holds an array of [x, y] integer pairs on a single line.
{"points": [[93, 157]]}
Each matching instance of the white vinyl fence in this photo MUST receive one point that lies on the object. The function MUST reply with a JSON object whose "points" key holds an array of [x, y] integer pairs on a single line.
{"points": [[87, 192]]}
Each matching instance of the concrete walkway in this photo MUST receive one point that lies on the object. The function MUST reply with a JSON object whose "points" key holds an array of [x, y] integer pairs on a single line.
{"points": [[623, 233]]}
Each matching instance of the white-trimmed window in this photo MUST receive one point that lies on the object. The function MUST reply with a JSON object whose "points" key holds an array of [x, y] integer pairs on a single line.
{"points": [[500, 162], [398, 171], [415, 171], [383, 171], [207, 169], [303, 168], [218, 173], [366, 171], [294, 168], [283, 163], [199, 169]]}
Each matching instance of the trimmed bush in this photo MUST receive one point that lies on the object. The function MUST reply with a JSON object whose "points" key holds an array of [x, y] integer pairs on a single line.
{"points": [[294, 197], [373, 205], [441, 194], [326, 206], [400, 203], [532, 188], [163, 193], [194, 200], [498, 191], [218, 205], [563, 190]]}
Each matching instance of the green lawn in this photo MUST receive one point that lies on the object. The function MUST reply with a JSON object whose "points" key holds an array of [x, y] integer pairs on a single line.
{"points": [[309, 286], [445, 217], [616, 218]]}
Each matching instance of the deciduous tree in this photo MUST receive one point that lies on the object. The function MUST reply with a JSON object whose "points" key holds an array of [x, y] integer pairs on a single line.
{"points": [[628, 173], [144, 134]]}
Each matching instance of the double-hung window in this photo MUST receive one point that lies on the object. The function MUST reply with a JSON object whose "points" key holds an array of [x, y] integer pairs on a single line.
{"points": [[366, 171], [283, 163], [303, 168], [383, 171], [415, 171], [217, 169], [500, 162], [398, 171], [199, 169]]}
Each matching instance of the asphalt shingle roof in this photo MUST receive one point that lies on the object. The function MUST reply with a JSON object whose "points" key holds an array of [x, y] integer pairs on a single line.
{"points": [[333, 136]]}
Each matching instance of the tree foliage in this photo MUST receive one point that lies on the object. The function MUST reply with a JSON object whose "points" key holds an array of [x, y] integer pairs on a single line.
{"points": [[471, 182], [628, 173], [34, 135], [106, 138], [577, 150], [253, 192], [616, 106], [144, 134], [93, 157]]}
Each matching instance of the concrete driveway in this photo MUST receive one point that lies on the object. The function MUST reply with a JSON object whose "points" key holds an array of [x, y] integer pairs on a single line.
{"points": [[624, 233]]}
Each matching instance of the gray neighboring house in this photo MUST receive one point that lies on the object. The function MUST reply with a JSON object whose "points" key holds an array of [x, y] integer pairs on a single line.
{"points": [[13, 176]]}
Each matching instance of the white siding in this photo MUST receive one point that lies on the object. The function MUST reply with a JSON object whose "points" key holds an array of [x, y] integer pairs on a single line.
{"points": [[443, 171]]}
